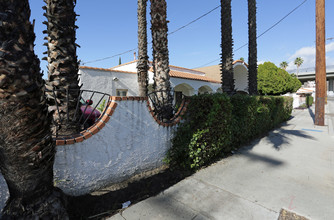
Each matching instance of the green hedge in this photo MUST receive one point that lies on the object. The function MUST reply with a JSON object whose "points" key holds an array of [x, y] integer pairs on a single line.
{"points": [[216, 124], [309, 100], [275, 81]]}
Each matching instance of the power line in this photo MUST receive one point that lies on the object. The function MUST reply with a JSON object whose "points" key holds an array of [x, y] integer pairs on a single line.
{"points": [[202, 16], [271, 27], [170, 33], [106, 58]]}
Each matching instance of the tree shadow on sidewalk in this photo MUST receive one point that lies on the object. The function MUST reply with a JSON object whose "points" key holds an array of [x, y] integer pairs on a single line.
{"points": [[282, 137], [266, 159], [311, 114], [279, 138]]}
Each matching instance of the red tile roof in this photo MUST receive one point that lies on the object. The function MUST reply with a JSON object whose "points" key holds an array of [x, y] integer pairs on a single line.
{"points": [[172, 73], [183, 75]]}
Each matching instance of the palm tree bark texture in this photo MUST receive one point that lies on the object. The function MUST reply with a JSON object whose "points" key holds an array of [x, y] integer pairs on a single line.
{"points": [[26, 147], [252, 48], [142, 64], [227, 48], [62, 63], [161, 69]]}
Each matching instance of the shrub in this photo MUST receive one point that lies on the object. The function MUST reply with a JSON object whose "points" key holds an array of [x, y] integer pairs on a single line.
{"points": [[309, 100], [102, 106], [206, 133], [215, 124], [275, 81]]}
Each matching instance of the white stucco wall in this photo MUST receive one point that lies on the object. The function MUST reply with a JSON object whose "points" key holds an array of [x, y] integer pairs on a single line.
{"points": [[240, 77], [195, 84], [131, 142], [102, 81]]}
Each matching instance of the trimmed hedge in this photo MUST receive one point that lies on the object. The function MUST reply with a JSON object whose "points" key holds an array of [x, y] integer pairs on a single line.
{"points": [[275, 81], [216, 124], [309, 100]]}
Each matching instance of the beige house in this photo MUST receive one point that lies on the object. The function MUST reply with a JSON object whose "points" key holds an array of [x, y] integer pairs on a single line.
{"points": [[240, 74]]}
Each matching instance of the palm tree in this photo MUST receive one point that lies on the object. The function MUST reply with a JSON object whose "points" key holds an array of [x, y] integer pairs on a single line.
{"points": [[252, 48], [284, 65], [298, 62], [26, 148], [227, 48], [142, 67], [63, 63], [161, 70]]}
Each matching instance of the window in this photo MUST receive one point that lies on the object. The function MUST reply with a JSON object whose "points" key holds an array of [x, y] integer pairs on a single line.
{"points": [[121, 92]]}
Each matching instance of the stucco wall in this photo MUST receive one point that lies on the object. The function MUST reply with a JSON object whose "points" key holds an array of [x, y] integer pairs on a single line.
{"points": [[241, 77], [130, 143], [102, 81], [195, 84]]}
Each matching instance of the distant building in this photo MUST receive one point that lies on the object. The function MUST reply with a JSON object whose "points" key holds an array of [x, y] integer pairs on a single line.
{"points": [[307, 76]]}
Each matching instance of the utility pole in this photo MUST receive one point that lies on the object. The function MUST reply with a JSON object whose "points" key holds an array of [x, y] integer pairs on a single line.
{"points": [[320, 69]]}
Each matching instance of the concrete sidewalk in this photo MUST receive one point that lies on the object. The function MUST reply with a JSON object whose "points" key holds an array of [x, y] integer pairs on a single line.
{"points": [[291, 168]]}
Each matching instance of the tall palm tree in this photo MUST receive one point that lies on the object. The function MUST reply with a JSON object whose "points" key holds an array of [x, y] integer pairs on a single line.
{"points": [[298, 62], [142, 66], [227, 47], [26, 147], [284, 65], [62, 61], [252, 48], [161, 69]]}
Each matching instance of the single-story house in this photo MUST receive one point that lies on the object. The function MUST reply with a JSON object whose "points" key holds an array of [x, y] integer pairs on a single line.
{"points": [[240, 69], [121, 80]]}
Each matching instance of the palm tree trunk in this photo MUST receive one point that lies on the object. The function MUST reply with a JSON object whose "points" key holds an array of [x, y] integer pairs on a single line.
{"points": [[63, 64], [26, 147], [227, 47], [252, 48], [161, 69], [142, 66]]}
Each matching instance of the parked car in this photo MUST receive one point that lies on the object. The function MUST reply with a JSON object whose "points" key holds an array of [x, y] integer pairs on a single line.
{"points": [[90, 114]]}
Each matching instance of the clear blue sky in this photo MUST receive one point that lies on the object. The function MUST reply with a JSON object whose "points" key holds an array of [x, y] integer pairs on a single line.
{"points": [[109, 27]]}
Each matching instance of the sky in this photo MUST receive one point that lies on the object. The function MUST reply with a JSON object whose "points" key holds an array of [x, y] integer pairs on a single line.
{"points": [[109, 27]]}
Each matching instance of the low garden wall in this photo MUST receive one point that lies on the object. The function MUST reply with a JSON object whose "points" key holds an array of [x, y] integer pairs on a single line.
{"points": [[127, 140], [129, 143]]}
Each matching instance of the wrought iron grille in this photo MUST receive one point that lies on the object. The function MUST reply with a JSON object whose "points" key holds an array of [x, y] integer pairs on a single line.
{"points": [[166, 105], [88, 108]]}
